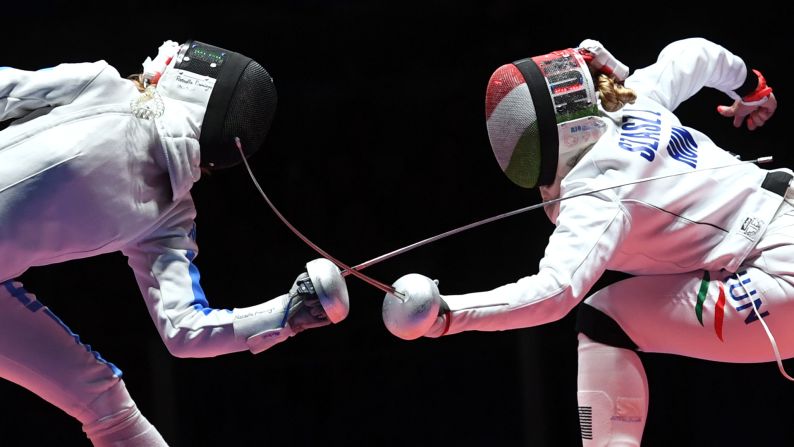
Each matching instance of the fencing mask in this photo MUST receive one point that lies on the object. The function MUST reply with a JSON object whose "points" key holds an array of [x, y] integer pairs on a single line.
{"points": [[540, 112], [237, 92]]}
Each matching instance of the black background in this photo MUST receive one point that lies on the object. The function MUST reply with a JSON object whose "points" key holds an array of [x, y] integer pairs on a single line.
{"points": [[379, 141]]}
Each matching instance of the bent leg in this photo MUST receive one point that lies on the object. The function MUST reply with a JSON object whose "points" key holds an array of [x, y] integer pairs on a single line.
{"points": [[705, 315], [708, 315], [39, 352]]}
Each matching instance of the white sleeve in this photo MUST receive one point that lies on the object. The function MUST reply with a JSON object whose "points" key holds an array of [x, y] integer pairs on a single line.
{"points": [[22, 91], [589, 229], [189, 327], [686, 66]]}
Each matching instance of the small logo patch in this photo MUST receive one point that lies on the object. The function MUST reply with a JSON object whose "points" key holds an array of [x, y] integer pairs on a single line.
{"points": [[751, 226]]}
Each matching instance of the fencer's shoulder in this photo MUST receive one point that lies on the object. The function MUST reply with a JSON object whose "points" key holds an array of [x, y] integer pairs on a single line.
{"points": [[96, 69], [80, 67], [81, 74], [98, 83], [72, 72], [104, 68]]}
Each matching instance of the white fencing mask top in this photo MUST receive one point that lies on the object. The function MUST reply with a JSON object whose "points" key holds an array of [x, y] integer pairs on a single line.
{"points": [[238, 93], [540, 112]]}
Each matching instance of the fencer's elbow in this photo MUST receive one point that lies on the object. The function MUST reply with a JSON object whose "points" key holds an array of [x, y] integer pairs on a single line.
{"points": [[698, 43], [557, 307], [179, 346], [688, 44], [561, 296], [699, 48]]}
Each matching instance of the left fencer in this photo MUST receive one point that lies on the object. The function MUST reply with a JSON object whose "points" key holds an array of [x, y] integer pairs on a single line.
{"points": [[93, 163], [710, 248]]}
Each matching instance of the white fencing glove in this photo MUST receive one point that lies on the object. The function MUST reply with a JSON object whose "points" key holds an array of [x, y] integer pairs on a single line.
{"points": [[153, 69], [318, 297], [418, 310], [304, 310], [755, 108], [601, 60]]}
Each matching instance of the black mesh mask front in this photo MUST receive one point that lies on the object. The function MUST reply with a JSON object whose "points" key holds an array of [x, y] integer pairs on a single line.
{"points": [[242, 102]]}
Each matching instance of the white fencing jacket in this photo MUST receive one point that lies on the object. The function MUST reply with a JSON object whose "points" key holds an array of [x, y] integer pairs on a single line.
{"points": [[81, 176], [704, 220]]}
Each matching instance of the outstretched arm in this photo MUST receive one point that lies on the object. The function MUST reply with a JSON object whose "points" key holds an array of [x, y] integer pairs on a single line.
{"points": [[588, 231], [169, 281]]}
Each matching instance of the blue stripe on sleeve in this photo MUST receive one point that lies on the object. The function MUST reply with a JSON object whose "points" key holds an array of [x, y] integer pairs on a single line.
{"points": [[200, 302]]}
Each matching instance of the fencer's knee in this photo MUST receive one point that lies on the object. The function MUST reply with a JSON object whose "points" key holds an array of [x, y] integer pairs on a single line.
{"points": [[601, 328], [116, 421], [110, 424], [182, 344], [111, 401]]}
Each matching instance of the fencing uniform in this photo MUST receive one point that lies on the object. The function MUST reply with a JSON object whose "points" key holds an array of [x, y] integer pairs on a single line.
{"points": [[85, 170], [706, 247], [709, 221]]}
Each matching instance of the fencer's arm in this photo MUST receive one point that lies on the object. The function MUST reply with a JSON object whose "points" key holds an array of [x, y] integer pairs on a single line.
{"points": [[188, 325], [686, 66], [23, 91], [589, 229], [169, 281]]}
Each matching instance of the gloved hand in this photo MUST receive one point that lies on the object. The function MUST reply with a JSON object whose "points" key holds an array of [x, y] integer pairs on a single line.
{"points": [[153, 69], [318, 297], [602, 60], [303, 309], [755, 108], [416, 309]]}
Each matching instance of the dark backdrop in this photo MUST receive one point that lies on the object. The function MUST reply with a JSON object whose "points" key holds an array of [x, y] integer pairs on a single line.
{"points": [[379, 141]]}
